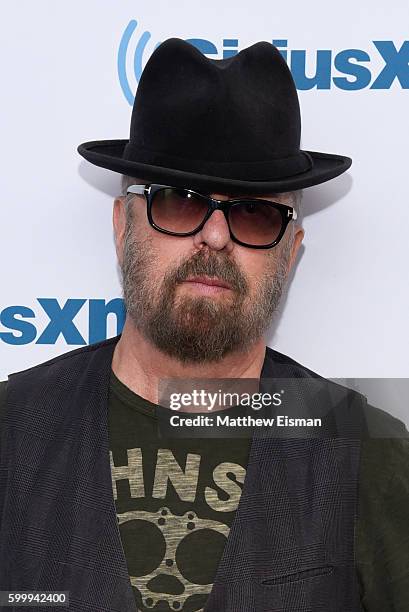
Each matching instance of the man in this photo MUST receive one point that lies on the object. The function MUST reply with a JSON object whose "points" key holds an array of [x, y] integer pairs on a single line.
{"points": [[206, 235]]}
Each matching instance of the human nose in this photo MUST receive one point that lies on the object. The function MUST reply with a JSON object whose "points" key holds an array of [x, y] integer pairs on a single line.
{"points": [[215, 233]]}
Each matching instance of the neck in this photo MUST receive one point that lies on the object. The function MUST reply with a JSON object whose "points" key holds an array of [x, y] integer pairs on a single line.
{"points": [[140, 366]]}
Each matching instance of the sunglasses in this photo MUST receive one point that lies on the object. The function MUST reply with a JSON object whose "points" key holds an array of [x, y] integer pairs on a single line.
{"points": [[252, 222]]}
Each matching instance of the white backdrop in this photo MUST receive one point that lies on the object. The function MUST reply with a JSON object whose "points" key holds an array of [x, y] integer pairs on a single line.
{"points": [[67, 75]]}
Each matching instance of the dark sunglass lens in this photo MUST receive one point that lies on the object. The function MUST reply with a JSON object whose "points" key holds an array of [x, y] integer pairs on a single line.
{"points": [[178, 210], [255, 223]]}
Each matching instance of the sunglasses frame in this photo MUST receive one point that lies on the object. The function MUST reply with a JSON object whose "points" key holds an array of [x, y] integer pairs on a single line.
{"points": [[149, 190]]}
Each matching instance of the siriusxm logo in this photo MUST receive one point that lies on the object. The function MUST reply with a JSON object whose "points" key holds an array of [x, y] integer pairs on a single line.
{"points": [[383, 64], [20, 323]]}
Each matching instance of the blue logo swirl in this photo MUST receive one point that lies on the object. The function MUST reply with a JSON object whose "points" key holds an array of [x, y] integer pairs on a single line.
{"points": [[137, 60]]}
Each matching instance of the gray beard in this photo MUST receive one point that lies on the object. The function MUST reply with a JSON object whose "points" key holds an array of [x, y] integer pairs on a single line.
{"points": [[198, 329]]}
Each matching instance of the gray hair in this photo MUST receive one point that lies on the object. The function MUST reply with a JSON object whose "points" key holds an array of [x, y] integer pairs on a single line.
{"points": [[126, 181]]}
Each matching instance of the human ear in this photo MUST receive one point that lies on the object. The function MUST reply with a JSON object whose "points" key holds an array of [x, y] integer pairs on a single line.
{"points": [[119, 225]]}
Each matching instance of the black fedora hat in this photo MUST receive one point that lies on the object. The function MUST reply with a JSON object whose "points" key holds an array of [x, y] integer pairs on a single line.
{"points": [[228, 125]]}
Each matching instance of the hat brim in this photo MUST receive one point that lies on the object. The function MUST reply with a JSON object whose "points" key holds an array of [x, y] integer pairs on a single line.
{"points": [[108, 154]]}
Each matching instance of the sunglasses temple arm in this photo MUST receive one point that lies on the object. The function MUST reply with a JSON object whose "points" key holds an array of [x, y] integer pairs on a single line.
{"points": [[138, 189]]}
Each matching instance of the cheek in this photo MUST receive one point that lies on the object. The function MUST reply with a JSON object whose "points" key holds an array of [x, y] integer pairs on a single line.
{"points": [[254, 264], [169, 252]]}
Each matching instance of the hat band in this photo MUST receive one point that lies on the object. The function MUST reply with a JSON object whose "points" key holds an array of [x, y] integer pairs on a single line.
{"points": [[253, 170]]}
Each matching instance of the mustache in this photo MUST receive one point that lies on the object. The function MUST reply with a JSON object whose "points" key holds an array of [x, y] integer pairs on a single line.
{"points": [[212, 265]]}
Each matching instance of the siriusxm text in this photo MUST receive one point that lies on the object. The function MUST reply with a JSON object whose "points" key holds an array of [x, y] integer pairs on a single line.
{"points": [[21, 324]]}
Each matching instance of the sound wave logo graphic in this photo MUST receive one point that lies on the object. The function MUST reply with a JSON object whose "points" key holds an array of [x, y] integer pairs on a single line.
{"points": [[131, 59]]}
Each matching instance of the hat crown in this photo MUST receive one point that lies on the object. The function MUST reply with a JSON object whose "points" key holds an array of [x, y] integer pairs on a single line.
{"points": [[188, 106]]}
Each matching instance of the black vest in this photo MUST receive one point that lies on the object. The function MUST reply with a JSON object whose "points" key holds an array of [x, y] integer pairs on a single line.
{"points": [[291, 544]]}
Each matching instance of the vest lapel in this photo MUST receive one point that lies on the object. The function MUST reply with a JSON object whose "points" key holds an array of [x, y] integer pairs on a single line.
{"points": [[59, 524], [291, 543]]}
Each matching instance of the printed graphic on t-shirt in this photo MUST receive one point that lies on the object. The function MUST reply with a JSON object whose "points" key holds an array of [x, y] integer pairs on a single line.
{"points": [[175, 507]]}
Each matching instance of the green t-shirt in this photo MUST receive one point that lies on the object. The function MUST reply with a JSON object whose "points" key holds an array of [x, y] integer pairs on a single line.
{"points": [[176, 509], [175, 501]]}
